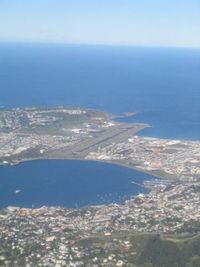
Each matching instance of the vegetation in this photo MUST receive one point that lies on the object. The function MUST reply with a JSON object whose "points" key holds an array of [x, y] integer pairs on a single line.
{"points": [[170, 252], [148, 250]]}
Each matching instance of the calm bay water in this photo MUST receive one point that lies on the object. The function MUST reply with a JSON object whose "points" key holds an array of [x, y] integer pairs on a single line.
{"points": [[67, 183], [162, 85]]}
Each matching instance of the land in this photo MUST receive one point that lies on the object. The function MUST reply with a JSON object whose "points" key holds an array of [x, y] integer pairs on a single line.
{"points": [[33, 133], [43, 238], [63, 133], [138, 232]]}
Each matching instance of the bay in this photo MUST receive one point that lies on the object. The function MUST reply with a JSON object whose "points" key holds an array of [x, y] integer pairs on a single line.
{"points": [[68, 183], [161, 84]]}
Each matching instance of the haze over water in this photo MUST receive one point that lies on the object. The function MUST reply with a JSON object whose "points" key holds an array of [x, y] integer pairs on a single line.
{"points": [[161, 84]]}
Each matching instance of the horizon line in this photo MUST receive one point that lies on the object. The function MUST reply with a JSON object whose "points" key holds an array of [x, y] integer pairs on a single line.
{"points": [[100, 44]]}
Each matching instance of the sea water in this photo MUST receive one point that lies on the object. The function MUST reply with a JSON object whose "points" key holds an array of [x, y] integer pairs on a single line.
{"points": [[161, 84], [68, 183]]}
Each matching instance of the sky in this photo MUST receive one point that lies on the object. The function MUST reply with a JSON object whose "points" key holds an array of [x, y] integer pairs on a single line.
{"points": [[113, 22]]}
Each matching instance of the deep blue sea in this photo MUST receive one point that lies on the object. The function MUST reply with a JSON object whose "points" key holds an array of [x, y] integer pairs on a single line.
{"points": [[161, 84], [67, 183]]}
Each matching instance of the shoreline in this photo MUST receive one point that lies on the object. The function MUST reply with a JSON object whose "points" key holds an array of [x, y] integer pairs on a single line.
{"points": [[144, 185], [118, 132]]}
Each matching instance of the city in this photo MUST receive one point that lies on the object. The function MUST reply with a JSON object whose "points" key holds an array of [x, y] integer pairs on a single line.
{"points": [[55, 236]]}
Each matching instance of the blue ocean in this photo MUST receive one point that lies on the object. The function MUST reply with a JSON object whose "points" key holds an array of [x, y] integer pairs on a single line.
{"points": [[161, 84]]}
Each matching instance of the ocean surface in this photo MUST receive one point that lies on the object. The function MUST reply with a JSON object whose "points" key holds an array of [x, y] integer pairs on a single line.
{"points": [[67, 183], [161, 84]]}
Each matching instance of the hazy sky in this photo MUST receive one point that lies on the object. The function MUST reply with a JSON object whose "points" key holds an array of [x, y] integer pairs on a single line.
{"points": [[128, 22]]}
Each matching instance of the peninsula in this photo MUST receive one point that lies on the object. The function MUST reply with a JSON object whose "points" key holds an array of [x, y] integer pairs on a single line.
{"points": [[77, 133], [166, 219]]}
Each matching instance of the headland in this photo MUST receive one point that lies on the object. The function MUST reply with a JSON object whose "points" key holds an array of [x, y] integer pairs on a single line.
{"points": [[105, 235]]}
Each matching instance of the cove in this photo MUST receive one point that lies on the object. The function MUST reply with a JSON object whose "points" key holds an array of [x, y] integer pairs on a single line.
{"points": [[68, 183]]}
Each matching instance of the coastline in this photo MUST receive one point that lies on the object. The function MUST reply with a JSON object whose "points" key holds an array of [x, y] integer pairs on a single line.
{"points": [[105, 133], [144, 184]]}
